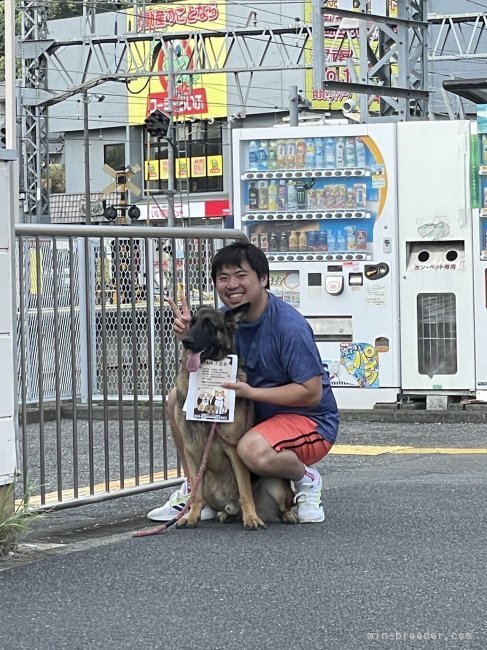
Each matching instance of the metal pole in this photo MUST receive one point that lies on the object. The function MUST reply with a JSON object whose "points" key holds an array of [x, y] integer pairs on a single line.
{"points": [[10, 89], [171, 86], [293, 106], [86, 135]]}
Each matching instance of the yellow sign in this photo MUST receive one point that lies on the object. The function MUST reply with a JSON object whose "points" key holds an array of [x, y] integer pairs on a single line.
{"points": [[196, 95], [215, 166], [340, 45], [182, 168], [156, 170]]}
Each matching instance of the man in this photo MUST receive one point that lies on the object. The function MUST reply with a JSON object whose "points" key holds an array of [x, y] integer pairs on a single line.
{"points": [[296, 419]]}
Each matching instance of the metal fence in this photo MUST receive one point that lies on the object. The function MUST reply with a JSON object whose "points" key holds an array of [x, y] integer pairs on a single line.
{"points": [[97, 355]]}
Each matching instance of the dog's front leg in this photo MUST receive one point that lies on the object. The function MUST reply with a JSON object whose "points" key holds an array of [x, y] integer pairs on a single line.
{"points": [[251, 521], [191, 518]]}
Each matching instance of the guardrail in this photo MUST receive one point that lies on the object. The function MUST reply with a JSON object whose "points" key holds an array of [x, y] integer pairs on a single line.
{"points": [[97, 355]]}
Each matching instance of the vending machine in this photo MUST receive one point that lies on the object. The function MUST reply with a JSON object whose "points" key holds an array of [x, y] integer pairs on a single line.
{"points": [[480, 253], [320, 201], [436, 258]]}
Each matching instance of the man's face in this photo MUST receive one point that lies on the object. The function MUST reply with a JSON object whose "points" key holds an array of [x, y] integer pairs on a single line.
{"points": [[237, 285]]}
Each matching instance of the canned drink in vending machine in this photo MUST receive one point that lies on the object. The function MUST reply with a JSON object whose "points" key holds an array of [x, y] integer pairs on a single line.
{"points": [[361, 239], [360, 195], [322, 240], [254, 239], [312, 240], [263, 241]]}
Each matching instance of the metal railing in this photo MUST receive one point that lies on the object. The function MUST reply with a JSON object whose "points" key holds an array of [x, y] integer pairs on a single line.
{"points": [[97, 355]]}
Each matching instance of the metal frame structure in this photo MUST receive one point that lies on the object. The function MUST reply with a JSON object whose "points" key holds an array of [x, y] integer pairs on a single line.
{"points": [[396, 70], [402, 42]]}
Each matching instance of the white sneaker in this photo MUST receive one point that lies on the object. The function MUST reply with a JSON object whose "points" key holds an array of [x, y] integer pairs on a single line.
{"points": [[308, 500], [176, 503]]}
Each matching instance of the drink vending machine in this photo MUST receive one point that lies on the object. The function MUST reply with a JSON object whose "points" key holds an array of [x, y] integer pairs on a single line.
{"points": [[320, 201]]}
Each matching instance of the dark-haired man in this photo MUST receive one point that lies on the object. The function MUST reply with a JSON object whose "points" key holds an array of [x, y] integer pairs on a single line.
{"points": [[296, 420]]}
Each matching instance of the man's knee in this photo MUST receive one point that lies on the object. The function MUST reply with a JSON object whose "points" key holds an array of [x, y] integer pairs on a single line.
{"points": [[254, 451]]}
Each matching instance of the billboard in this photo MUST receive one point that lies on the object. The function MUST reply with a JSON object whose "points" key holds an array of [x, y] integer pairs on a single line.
{"points": [[196, 95]]}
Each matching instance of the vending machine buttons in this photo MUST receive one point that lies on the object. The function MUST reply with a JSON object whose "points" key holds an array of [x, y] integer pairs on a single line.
{"points": [[334, 284]]}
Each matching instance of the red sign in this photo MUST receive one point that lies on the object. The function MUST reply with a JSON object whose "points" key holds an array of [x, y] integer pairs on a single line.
{"points": [[217, 209], [190, 103]]}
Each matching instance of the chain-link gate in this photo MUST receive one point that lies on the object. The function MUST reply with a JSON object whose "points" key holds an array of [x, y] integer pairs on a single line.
{"points": [[97, 355]]}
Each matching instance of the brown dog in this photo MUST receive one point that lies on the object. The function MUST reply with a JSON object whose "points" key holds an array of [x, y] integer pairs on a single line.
{"points": [[226, 484]]}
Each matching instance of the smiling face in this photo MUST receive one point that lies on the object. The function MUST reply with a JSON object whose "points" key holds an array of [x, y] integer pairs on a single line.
{"points": [[240, 284]]}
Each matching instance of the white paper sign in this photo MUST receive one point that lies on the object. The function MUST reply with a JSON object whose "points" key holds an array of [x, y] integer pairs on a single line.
{"points": [[206, 399]]}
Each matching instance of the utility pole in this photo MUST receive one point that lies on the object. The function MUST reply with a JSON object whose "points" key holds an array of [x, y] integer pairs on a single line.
{"points": [[293, 106], [171, 87], [86, 138]]}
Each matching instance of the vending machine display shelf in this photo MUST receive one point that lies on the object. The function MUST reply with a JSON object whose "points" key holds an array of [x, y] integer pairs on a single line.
{"points": [[306, 216], [346, 172], [316, 256]]}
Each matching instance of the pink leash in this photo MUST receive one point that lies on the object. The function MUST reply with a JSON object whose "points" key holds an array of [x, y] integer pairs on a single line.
{"points": [[157, 530]]}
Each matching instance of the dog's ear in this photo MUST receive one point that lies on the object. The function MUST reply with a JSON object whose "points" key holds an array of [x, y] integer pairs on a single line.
{"points": [[233, 317]]}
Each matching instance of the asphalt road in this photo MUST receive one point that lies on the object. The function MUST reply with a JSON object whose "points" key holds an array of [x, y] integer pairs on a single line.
{"points": [[398, 563]]}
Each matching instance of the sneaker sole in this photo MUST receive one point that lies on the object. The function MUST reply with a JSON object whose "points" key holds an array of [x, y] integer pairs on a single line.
{"points": [[313, 520]]}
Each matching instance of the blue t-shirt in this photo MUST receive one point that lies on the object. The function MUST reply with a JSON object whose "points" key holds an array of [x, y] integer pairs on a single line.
{"points": [[278, 349]]}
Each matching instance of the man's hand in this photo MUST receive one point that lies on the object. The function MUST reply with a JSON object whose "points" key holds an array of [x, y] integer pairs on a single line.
{"points": [[182, 316], [242, 390]]}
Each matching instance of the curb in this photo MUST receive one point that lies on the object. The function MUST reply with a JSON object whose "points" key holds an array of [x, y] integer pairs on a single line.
{"points": [[468, 413]]}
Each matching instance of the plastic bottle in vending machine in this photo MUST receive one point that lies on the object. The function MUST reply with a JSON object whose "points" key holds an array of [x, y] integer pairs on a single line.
{"points": [[340, 153], [272, 196], [284, 241], [272, 159], [290, 154], [310, 153], [319, 153], [303, 241], [350, 157], [360, 152], [292, 196], [341, 241], [263, 156], [300, 154], [282, 195], [332, 242], [253, 156], [293, 240], [281, 155], [351, 242], [330, 157], [253, 196], [263, 195]]}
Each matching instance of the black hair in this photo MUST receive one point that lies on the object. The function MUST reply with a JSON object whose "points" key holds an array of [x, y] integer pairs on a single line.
{"points": [[235, 254]]}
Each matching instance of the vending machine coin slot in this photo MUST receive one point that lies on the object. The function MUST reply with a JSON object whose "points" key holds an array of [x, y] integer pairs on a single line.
{"points": [[376, 271]]}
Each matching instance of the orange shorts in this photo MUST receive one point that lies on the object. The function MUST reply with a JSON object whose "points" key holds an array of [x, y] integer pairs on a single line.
{"points": [[296, 433]]}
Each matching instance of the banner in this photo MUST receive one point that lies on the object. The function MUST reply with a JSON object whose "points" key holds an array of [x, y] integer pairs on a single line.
{"points": [[201, 96]]}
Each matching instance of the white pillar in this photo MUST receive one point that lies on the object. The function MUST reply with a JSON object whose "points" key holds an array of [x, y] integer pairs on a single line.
{"points": [[8, 376]]}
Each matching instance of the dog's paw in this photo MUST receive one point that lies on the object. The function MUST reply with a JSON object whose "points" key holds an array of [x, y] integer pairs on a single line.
{"points": [[253, 523], [289, 517], [187, 522]]}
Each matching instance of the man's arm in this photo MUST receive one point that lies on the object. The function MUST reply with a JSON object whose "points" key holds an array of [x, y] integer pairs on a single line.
{"points": [[307, 394]]}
